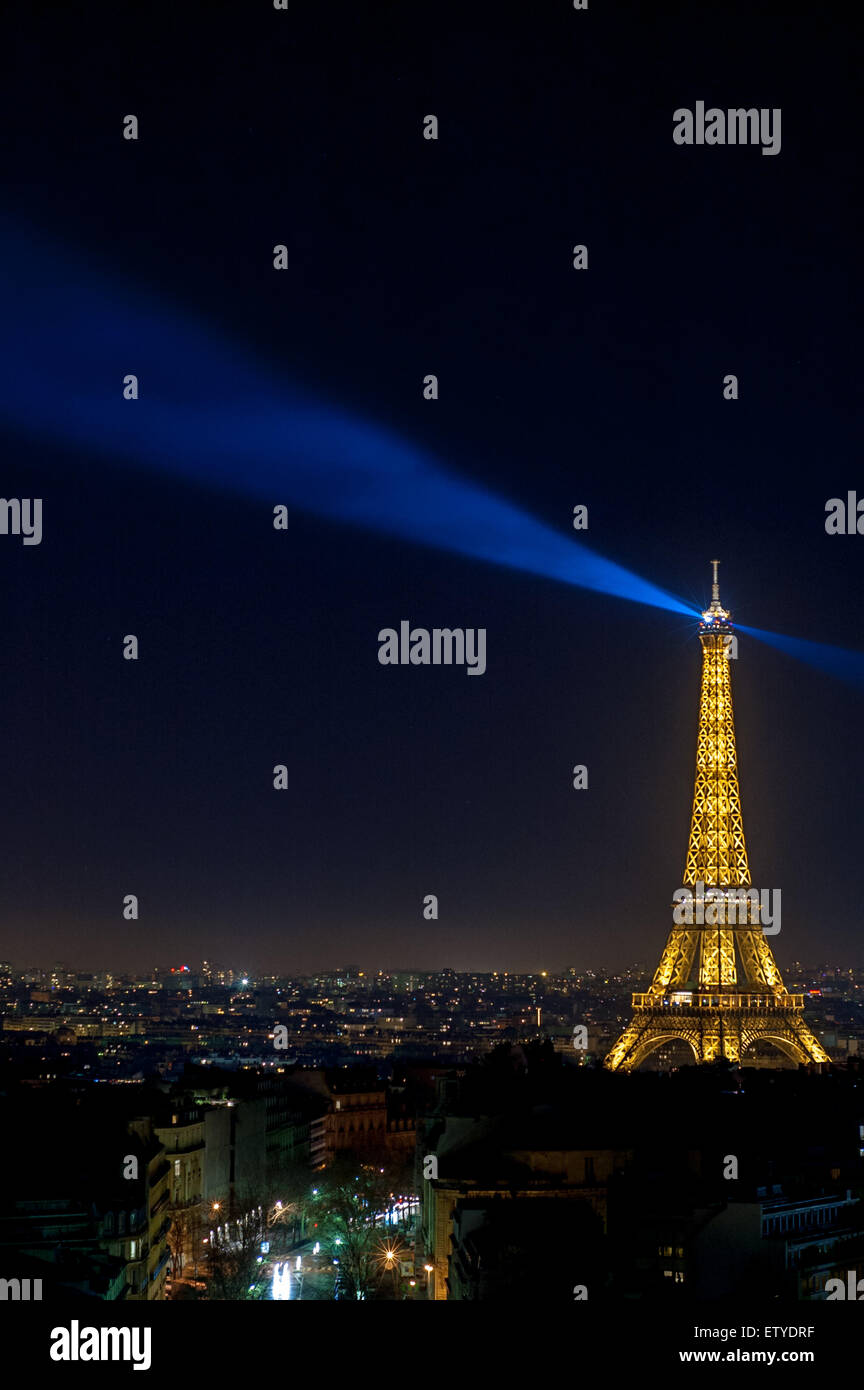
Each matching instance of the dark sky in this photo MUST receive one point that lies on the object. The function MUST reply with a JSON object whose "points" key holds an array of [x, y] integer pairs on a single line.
{"points": [[602, 387]]}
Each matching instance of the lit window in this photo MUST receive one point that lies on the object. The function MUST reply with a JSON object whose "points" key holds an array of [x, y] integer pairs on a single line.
{"points": [[176, 1167]]}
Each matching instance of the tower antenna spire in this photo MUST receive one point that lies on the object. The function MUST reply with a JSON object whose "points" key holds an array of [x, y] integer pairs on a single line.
{"points": [[715, 587]]}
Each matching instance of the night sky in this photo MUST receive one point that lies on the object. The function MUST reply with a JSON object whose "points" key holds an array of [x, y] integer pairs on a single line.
{"points": [[557, 387]]}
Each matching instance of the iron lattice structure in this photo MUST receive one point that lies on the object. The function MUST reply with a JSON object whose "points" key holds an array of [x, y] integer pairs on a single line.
{"points": [[717, 986]]}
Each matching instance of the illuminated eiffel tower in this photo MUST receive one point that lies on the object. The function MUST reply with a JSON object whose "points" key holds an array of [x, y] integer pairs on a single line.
{"points": [[717, 986]]}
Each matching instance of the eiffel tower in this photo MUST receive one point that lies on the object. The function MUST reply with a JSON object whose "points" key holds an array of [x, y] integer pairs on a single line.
{"points": [[717, 986]]}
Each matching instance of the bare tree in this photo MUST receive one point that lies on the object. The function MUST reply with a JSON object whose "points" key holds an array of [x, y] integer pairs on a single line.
{"points": [[178, 1239], [235, 1250]]}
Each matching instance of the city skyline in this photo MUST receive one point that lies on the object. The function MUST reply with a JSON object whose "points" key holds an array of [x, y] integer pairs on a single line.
{"points": [[240, 973]]}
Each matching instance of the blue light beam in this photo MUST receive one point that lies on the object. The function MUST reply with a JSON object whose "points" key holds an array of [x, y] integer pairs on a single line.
{"points": [[840, 662], [209, 415]]}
